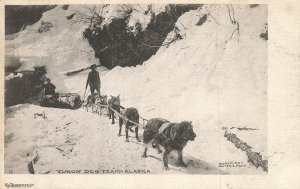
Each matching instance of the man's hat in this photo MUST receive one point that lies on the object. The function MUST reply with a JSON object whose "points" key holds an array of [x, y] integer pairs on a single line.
{"points": [[93, 66], [48, 79]]}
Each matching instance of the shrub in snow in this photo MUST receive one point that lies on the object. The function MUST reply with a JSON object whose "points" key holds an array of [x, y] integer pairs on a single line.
{"points": [[7, 110], [264, 35], [41, 70], [70, 16], [253, 157], [253, 5], [45, 26], [65, 7], [202, 20], [256, 159]]}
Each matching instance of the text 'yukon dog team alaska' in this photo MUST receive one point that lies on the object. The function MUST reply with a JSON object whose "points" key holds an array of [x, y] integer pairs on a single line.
{"points": [[161, 134]]}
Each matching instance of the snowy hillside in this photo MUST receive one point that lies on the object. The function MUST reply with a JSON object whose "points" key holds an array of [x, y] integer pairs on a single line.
{"points": [[61, 49], [216, 77], [206, 77]]}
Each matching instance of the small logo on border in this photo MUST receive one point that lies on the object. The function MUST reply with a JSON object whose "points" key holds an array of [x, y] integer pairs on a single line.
{"points": [[12, 185]]}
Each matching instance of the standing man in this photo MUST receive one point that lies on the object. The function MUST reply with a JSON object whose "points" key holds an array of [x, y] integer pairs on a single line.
{"points": [[93, 80]]}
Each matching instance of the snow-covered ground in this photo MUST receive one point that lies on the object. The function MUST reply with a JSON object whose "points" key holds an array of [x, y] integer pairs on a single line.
{"points": [[79, 140], [209, 78]]}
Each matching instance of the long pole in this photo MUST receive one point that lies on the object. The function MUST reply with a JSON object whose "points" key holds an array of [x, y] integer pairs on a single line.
{"points": [[84, 95]]}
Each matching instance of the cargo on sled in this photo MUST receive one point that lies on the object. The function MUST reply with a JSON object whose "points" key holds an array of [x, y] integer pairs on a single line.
{"points": [[63, 100]]}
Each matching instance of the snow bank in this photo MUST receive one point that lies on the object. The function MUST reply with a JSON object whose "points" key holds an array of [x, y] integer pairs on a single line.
{"points": [[230, 72], [208, 77], [62, 47]]}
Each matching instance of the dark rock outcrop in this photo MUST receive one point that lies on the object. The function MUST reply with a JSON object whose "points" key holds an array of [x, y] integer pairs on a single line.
{"points": [[114, 45], [20, 90], [17, 17]]}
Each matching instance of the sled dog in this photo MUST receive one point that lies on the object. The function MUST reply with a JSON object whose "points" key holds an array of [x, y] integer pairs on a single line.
{"points": [[129, 114], [161, 134]]}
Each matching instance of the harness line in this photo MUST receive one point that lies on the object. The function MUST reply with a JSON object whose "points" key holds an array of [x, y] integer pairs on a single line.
{"points": [[124, 118]]}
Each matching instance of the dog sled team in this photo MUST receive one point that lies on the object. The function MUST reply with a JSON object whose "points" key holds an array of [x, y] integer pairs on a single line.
{"points": [[160, 134]]}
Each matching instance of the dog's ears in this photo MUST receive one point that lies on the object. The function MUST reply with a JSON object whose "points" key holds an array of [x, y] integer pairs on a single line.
{"points": [[111, 96]]}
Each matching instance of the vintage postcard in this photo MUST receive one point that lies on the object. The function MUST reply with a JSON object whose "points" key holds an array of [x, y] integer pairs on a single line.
{"points": [[124, 91]]}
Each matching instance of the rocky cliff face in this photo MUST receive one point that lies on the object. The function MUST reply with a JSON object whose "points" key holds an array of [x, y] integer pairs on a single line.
{"points": [[17, 17], [129, 37], [122, 43]]}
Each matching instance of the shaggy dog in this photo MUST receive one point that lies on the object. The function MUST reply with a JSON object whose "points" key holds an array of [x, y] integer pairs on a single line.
{"points": [[131, 114], [114, 103], [94, 102], [100, 102], [91, 103], [161, 134]]}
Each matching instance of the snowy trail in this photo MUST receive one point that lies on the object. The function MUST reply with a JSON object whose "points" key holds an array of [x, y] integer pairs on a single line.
{"points": [[68, 140]]}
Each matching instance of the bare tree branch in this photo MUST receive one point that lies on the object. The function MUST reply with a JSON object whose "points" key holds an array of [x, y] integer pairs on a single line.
{"points": [[142, 9], [92, 16], [230, 11], [213, 17], [181, 23], [176, 37], [231, 14]]}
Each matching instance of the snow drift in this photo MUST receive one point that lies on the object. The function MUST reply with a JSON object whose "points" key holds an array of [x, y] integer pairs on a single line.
{"points": [[215, 74]]}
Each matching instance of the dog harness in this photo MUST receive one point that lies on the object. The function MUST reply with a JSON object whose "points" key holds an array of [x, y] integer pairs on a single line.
{"points": [[163, 127]]}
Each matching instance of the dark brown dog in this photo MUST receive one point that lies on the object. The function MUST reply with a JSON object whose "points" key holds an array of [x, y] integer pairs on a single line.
{"points": [[161, 134], [129, 114]]}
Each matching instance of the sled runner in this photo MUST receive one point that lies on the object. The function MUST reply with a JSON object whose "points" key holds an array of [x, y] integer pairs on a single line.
{"points": [[64, 100]]}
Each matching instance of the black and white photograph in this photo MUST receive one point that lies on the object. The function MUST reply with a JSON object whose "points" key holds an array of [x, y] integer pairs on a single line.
{"points": [[136, 89]]}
